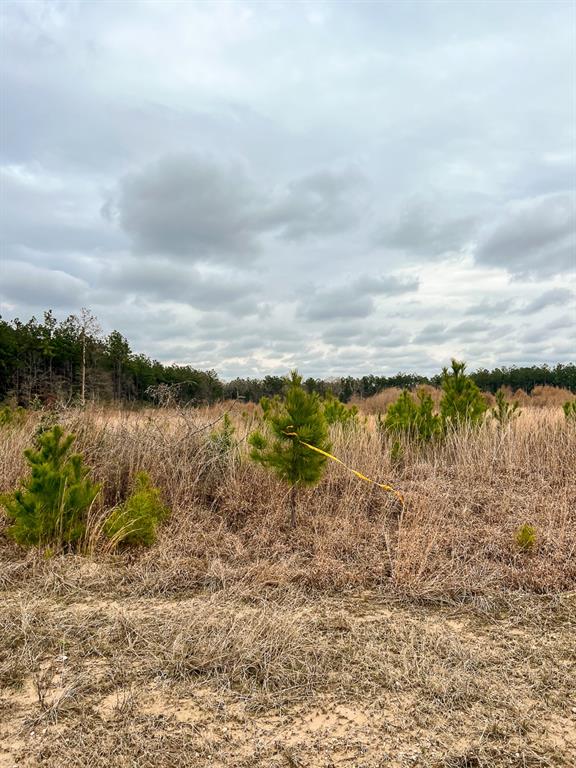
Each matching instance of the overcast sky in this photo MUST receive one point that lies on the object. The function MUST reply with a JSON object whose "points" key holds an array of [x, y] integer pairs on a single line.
{"points": [[342, 187]]}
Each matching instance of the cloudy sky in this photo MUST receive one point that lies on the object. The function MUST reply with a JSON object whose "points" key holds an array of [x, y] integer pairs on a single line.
{"points": [[342, 187]]}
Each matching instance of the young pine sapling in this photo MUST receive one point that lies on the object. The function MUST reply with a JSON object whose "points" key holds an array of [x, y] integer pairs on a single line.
{"points": [[293, 421]]}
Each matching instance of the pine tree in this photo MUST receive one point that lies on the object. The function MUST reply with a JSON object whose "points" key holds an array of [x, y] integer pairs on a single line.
{"points": [[414, 418], [335, 412], [51, 504], [504, 411], [462, 402], [294, 420]]}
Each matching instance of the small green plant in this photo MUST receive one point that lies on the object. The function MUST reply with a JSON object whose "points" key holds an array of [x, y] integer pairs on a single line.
{"points": [[504, 412], [292, 421], [135, 521], [51, 505], [336, 412], [414, 418], [569, 408], [462, 402], [526, 537]]}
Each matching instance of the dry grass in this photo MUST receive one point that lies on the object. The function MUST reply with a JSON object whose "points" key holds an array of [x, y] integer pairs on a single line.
{"points": [[540, 397], [369, 636]]}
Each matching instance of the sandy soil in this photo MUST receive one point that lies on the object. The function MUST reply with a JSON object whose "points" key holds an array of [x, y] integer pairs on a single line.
{"points": [[285, 679]]}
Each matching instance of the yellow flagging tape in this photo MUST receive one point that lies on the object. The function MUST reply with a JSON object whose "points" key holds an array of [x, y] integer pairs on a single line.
{"points": [[389, 488]]}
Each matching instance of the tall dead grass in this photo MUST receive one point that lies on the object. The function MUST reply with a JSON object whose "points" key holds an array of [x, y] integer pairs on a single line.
{"points": [[455, 538], [539, 397]]}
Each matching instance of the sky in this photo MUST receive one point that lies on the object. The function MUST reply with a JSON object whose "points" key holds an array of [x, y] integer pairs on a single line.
{"points": [[343, 188]]}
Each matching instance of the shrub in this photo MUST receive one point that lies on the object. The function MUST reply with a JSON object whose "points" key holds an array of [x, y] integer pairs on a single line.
{"points": [[336, 412], [51, 505], [503, 412], [297, 419], [526, 537], [570, 410], [462, 402], [413, 417], [135, 521]]}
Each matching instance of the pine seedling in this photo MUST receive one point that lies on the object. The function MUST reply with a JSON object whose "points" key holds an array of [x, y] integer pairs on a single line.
{"points": [[526, 538], [136, 520], [292, 421], [414, 418], [223, 440], [462, 402], [504, 412], [51, 505], [336, 412]]}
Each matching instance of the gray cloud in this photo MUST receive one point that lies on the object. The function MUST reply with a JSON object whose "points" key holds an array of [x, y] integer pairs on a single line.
{"points": [[534, 235], [36, 287], [163, 281], [189, 206], [490, 308], [343, 333], [43, 211], [355, 300], [199, 207], [321, 203], [555, 297], [421, 228]]}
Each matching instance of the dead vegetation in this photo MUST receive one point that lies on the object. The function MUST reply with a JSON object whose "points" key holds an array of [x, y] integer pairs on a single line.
{"points": [[366, 637]]}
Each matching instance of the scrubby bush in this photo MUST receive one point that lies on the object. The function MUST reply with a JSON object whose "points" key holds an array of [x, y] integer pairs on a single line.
{"points": [[51, 505], [335, 412], [135, 521], [413, 417], [462, 402], [504, 412], [293, 421]]}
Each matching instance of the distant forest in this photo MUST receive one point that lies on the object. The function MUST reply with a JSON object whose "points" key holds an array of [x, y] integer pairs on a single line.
{"points": [[47, 361]]}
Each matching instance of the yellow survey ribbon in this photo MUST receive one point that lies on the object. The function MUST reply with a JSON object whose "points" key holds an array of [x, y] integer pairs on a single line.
{"points": [[386, 487]]}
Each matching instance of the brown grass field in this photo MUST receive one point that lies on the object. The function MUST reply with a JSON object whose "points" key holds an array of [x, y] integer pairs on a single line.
{"points": [[369, 636]]}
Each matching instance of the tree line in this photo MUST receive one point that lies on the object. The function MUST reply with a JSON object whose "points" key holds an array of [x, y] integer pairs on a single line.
{"points": [[43, 361], [344, 388], [71, 361]]}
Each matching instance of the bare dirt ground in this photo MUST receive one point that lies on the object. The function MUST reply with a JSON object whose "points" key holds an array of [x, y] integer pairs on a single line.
{"points": [[93, 677]]}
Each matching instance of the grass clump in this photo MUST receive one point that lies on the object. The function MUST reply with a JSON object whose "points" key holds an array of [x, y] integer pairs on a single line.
{"points": [[135, 522], [51, 505]]}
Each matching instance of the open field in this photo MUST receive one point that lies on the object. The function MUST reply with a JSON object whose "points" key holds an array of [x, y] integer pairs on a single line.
{"points": [[368, 636]]}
